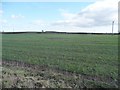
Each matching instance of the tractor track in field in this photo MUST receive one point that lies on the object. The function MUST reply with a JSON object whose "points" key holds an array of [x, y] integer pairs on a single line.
{"points": [[63, 78]]}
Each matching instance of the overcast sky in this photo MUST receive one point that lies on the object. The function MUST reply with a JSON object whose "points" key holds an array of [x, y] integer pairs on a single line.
{"points": [[87, 16]]}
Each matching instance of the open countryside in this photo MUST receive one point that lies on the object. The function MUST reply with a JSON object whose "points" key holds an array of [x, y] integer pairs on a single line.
{"points": [[65, 60], [59, 44]]}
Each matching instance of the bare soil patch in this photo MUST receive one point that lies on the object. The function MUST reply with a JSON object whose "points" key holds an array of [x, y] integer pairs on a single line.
{"points": [[16, 74]]}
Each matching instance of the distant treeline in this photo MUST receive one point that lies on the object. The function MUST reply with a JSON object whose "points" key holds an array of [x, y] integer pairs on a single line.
{"points": [[58, 33]]}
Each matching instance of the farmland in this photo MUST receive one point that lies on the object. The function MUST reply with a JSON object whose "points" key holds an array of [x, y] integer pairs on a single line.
{"points": [[94, 56]]}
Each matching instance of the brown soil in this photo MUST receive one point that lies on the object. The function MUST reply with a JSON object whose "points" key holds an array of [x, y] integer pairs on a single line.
{"points": [[16, 74]]}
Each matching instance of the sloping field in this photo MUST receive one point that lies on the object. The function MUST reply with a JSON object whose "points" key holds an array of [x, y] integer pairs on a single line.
{"points": [[94, 57]]}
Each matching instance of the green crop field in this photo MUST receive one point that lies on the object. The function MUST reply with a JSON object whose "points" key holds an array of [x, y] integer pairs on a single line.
{"points": [[92, 55]]}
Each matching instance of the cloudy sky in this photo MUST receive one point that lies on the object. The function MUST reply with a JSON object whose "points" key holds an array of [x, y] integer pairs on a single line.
{"points": [[80, 16]]}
